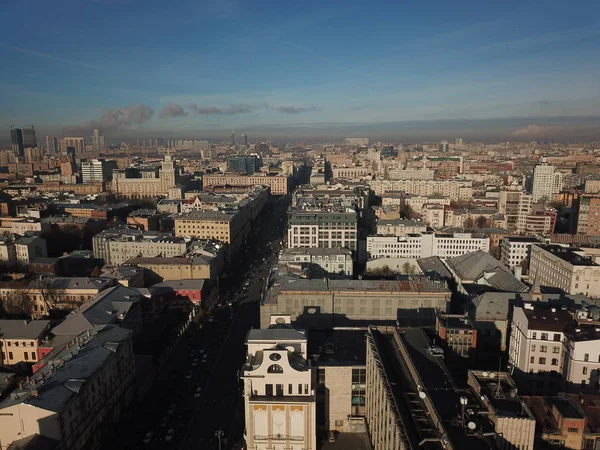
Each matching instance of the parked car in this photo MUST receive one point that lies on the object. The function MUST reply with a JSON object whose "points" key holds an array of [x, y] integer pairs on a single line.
{"points": [[170, 434]]}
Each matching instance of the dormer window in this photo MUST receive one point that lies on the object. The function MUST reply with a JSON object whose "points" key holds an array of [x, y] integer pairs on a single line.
{"points": [[275, 368], [274, 356]]}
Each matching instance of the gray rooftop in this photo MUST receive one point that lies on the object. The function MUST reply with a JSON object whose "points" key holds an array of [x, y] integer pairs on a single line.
{"points": [[22, 329], [72, 369], [277, 335], [182, 285], [96, 284]]}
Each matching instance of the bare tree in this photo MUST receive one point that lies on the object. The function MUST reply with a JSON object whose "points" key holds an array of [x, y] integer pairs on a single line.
{"points": [[17, 303], [469, 223], [43, 287], [481, 222]]}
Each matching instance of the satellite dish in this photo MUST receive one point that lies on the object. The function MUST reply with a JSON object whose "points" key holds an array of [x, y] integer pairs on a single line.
{"points": [[471, 425], [492, 375], [464, 400], [485, 374], [422, 394]]}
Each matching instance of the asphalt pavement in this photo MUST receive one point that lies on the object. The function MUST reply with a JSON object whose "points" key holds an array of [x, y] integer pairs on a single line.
{"points": [[198, 395]]}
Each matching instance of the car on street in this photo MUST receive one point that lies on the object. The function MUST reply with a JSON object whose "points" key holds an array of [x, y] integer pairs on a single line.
{"points": [[170, 434], [148, 437], [198, 392]]}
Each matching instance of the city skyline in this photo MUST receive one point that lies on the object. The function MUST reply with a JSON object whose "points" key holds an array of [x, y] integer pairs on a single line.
{"points": [[494, 71]]}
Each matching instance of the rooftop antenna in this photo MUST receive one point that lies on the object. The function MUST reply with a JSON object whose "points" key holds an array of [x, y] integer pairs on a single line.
{"points": [[498, 392]]}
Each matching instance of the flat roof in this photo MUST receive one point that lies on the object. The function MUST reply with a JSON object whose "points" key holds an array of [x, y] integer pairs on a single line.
{"points": [[338, 347], [569, 255], [547, 320]]}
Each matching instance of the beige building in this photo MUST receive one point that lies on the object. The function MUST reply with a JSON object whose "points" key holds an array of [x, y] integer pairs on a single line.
{"points": [[77, 395], [200, 267], [20, 340], [323, 229], [400, 227], [279, 391], [279, 184], [454, 190], [569, 269], [149, 185], [78, 143], [231, 228], [322, 302]]}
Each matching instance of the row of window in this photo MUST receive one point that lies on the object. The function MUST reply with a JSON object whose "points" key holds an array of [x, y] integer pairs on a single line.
{"points": [[542, 360], [25, 356], [16, 344]]}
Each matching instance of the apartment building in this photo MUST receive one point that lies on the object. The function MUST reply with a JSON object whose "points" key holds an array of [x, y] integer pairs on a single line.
{"points": [[547, 181], [587, 214], [20, 340], [335, 196], [117, 245], [28, 248], [400, 227], [323, 229], [515, 249], [323, 303], [279, 184], [198, 267], [410, 174], [426, 245], [318, 261], [515, 206], [454, 190], [569, 269], [434, 215], [457, 334], [229, 227], [279, 391], [97, 170], [350, 173], [78, 393], [537, 347], [8, 252]]}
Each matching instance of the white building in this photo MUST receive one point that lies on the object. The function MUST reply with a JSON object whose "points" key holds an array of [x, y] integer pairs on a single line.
{"points": [[324, 229], [569, 269], [434, 215], [279, 396], [546, 182], [97, 141], [514, 250], [536, 347], [426, 245], [454, 190], [400, 227], [330, 260], [411, 174], [8, 252], [29, 248]]}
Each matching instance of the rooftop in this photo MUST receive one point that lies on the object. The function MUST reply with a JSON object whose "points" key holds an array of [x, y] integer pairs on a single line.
{"points": [[23, 329], [547, 319], [337, 347], [573, 256]]}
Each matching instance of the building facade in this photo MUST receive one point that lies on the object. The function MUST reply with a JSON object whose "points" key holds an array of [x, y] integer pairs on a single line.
{"points": [[514, 250], [279, 185], [323, 229]]}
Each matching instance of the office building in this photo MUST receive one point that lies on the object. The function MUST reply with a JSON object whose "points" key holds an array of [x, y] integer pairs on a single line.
{"points": [[426, 245], [52, 145], [457, 334], [323, 229], [29, 137], [97, 170], [16, 141], [324, 303], [117, 245], [78, 144], [454, 190], [514, 250], [97, 141], [199, 267], [149, 184], [246, 165], [279, 392], [318, 262], [569, 269], [279, 184], [546, 182], [78, 393]]}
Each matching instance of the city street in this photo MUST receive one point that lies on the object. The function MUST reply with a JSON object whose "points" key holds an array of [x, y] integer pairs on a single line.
{"points": [[198, 394]]}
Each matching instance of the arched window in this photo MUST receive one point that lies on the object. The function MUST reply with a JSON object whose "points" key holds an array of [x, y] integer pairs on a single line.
{"points": [[275, 368]]}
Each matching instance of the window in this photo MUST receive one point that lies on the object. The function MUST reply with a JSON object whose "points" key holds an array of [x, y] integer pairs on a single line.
{"points": [[275, 368], [534, 335], [586, 357], [269, 390], [279, 390], [299, 389], [290, 389], [532, 360], [555, 349], [557, 337], [542, 360], [585, 370], [543, 348], [544, 337], [306, 389], [16, 344], [573, 430], [359, 387], [26, 356], [554, 362], [533, 348], [10, 355], [321, 377]]}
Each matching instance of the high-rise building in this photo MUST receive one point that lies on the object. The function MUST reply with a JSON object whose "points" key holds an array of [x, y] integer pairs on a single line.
{"points": [[245, 137], [29, 138], [443, 147], [232, 138], [243, 164], [52, 145], [78, 143], [546, 182], [459, 142], [16, 141], [97, 170], [97, 141]]}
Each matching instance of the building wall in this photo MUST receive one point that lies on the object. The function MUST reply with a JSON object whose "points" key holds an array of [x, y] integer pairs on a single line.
{"points": [[185, 271], [279, 184]]}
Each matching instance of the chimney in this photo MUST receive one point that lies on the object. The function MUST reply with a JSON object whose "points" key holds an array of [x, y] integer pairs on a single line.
{"points": [[20, 385], [35, 392]]}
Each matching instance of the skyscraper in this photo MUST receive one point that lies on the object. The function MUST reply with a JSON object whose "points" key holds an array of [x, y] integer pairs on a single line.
{"points": [[16, 141], [97, 141], [52, 145], [29, 138], [245, 137], [78, 143], [546, 182]]}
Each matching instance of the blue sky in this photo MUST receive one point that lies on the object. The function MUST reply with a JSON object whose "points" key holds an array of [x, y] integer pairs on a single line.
{"points": [[181, 68]]}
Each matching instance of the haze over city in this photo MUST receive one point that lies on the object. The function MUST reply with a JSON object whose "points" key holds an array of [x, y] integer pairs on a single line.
{"points": [[388, 70]]}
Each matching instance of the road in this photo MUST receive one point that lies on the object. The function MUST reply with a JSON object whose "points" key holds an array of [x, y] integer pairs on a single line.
{"points": [[194, 399]]}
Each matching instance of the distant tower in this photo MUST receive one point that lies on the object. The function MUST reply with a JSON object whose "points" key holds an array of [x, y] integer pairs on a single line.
{"points": [[245, 136], [52, 145], [232, 138], [16, 141], [29, 138]]}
